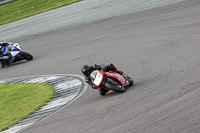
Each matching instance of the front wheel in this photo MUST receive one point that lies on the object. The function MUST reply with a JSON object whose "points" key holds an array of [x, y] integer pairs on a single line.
{"points": [[27, 56], [112, 85]]}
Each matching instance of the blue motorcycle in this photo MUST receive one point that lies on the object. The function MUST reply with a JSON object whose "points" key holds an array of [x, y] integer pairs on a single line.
{"points": [[14, 55]]}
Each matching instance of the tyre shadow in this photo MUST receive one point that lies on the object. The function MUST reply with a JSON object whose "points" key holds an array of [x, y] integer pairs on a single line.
{"points": [[16, 63]]}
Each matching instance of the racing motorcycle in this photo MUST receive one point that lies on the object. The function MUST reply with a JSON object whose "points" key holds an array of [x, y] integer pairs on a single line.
{"points": [[15, 55], [110, 81]]}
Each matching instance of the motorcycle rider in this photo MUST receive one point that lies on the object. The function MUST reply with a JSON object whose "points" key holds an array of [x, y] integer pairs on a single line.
{"points": [[9, 46], [87, 70]]}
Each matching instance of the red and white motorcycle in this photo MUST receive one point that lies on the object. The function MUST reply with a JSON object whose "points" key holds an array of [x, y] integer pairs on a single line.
{"points": [[110, 81]]}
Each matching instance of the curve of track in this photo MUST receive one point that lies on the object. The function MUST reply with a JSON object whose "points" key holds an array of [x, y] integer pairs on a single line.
{"points": [[68, 88], [158, 47]]}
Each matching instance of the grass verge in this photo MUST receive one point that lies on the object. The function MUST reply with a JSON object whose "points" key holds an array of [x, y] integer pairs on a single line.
{"points": [[17, 101], [19, 9]]}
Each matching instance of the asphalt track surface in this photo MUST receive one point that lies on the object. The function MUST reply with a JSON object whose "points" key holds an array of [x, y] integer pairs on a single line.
{"points": [[159, 48], [78, 13]]}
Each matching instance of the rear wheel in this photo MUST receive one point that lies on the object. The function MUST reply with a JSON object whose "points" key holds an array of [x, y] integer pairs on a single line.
{"points": [[130, 81], [27, 56]]}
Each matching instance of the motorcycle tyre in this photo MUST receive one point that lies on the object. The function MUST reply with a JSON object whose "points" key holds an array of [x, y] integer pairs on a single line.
{"points": [[130, 81], [113, 87], [27, 56]]}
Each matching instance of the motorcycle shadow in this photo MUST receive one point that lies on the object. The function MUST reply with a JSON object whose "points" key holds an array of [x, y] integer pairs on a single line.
{"points": [[16, 63]]}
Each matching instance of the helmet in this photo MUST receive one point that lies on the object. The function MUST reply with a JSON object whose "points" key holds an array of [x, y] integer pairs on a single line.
{"points": [[85, 70]]}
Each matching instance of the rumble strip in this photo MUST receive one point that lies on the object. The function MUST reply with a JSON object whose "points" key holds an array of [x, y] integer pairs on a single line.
{"points": [[68, 88]]}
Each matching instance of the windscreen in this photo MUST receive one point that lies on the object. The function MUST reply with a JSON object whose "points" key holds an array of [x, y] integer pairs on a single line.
{"points": [[93, 75]]}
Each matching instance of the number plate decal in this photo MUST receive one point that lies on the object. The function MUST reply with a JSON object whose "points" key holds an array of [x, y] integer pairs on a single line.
{"points": [[4, 57]]}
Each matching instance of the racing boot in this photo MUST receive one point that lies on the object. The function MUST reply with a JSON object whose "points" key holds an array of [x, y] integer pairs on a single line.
{"points": [[102, 91]]}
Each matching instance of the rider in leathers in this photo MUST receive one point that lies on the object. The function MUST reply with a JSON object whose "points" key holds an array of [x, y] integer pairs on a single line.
{"points": [[9, 46], [87, 70]]}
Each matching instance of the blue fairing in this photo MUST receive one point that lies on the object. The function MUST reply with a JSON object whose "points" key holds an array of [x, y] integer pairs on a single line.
{"points": [[4, 50], [20, 53], [15, 49]]}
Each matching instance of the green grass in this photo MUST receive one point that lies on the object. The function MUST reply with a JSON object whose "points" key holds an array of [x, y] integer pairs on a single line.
{"points": [[17, 101], [24, 8]]}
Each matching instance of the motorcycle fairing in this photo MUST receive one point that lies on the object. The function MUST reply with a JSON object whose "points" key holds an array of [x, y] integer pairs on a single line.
{"points": [[16, 47], [98, 78], [14, 53], [4, 57], [116, 76]]}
